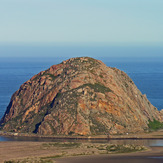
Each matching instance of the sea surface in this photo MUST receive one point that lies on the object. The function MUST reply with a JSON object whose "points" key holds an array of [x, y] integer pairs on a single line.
{"points": [[147, 73]]}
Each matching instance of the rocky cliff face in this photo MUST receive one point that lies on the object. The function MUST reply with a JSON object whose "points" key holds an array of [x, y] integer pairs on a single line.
{"points": [[80, 96]]}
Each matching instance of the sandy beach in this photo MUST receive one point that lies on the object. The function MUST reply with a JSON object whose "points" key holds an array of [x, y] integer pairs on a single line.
{"points": [[36, 151], [155, 155]]}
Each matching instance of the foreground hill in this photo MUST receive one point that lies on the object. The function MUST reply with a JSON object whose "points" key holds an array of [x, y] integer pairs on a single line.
{"points": [[80, 96]]}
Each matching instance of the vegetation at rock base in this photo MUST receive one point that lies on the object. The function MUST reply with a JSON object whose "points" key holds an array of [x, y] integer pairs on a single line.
{"points": [[155, 125]]}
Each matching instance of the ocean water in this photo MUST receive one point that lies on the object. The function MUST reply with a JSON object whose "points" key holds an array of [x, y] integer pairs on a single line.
{"points": [[146, 73]]}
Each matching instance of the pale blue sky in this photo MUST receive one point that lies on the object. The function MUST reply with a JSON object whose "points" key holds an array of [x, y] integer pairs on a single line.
{"points": [[81, 22]]}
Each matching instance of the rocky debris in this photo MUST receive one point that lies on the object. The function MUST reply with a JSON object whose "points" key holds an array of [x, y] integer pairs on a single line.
{"points": [[80, 96]]}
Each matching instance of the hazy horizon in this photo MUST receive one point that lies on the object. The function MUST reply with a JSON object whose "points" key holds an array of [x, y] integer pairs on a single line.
{"points": [[70, 51], [77, 28]]}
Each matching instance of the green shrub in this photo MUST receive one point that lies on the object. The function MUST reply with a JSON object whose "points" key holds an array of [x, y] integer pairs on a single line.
{"points": [[155, 125], [97, 87]]}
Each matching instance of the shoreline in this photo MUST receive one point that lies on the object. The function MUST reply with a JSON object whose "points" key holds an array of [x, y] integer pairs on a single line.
{"points": [[151, 135], [35, 149]]}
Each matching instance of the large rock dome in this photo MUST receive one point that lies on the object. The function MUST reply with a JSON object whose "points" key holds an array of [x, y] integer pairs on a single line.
{"points": [[80, 96]]}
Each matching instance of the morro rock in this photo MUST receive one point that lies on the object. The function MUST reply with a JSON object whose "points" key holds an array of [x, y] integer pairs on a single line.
{"points": [[80, 96]]}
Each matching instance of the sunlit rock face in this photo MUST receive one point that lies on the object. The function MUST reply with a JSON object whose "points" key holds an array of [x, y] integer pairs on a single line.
{"points": [[80, 96]]}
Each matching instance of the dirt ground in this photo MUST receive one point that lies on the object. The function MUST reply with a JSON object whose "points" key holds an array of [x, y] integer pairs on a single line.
{"points": [[41, 150], [155, 155]]}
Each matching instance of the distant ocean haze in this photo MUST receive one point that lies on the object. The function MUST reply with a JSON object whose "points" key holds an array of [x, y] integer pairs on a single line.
{"points": [[146, 73]]}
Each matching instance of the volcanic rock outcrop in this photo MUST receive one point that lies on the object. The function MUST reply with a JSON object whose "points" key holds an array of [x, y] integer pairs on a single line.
{"points": [[80, 96]]}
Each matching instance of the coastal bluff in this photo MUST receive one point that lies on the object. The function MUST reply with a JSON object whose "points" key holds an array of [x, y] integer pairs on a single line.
{"points": [[80, 96]]}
